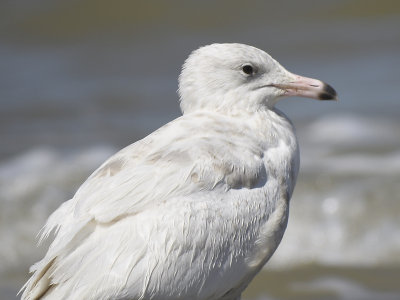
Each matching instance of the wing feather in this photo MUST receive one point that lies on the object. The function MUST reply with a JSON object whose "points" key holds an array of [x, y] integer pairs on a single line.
{"points": [[166, 164]]}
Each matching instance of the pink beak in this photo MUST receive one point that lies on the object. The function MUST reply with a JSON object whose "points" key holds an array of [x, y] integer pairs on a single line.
{"points": [[308, 87]]}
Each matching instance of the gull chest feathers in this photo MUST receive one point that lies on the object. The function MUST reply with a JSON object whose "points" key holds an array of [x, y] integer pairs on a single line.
{"points": [[196, 208]]}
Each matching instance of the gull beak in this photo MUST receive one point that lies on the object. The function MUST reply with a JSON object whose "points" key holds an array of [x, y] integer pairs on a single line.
{"points": [[307, 87]]}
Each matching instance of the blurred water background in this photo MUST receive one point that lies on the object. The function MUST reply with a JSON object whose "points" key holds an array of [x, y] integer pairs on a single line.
{"points": [[80, 79]]}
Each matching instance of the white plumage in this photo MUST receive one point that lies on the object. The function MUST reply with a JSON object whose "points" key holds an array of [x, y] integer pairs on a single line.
{"points": [[195, 209]]}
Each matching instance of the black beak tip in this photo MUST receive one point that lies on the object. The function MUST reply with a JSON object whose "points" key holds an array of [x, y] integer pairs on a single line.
{"points": [[328, 93]]}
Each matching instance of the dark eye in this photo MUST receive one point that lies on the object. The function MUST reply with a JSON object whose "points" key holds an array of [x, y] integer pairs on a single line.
{"points": [[248, 69]]}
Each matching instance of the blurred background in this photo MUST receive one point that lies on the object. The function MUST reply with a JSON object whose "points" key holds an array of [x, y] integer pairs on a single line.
{"points": [[80, 79]]}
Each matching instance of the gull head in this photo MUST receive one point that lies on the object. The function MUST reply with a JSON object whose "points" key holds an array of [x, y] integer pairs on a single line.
{"points": [[224, 77]]}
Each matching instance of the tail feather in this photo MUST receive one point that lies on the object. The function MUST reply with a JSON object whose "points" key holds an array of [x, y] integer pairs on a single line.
{"points": [[40, 281]]}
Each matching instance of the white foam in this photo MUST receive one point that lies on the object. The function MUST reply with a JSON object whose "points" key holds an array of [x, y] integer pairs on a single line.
{"points": [[350, 145], [353, 164], [349, 130]]}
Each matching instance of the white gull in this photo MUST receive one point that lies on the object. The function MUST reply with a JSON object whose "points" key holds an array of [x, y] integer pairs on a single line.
{"points": [[195, 209]]}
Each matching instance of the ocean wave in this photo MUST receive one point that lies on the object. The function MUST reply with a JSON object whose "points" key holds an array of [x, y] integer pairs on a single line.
{"points": [[32, 185], [351, 144], [352, 131], [343, 205]]}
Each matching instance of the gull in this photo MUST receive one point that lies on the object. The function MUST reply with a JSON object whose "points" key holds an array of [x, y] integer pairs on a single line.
{"points": [[195, 209]]}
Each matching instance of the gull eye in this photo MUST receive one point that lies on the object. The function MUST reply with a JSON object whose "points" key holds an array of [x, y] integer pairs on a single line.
{"points": [[248, 69]]}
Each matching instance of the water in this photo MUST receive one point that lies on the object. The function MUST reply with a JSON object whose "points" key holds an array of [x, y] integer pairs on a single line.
{"points": [[81, 79]]}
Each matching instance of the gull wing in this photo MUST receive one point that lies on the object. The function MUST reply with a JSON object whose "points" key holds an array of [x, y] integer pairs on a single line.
{"points": [[179, 160]]}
